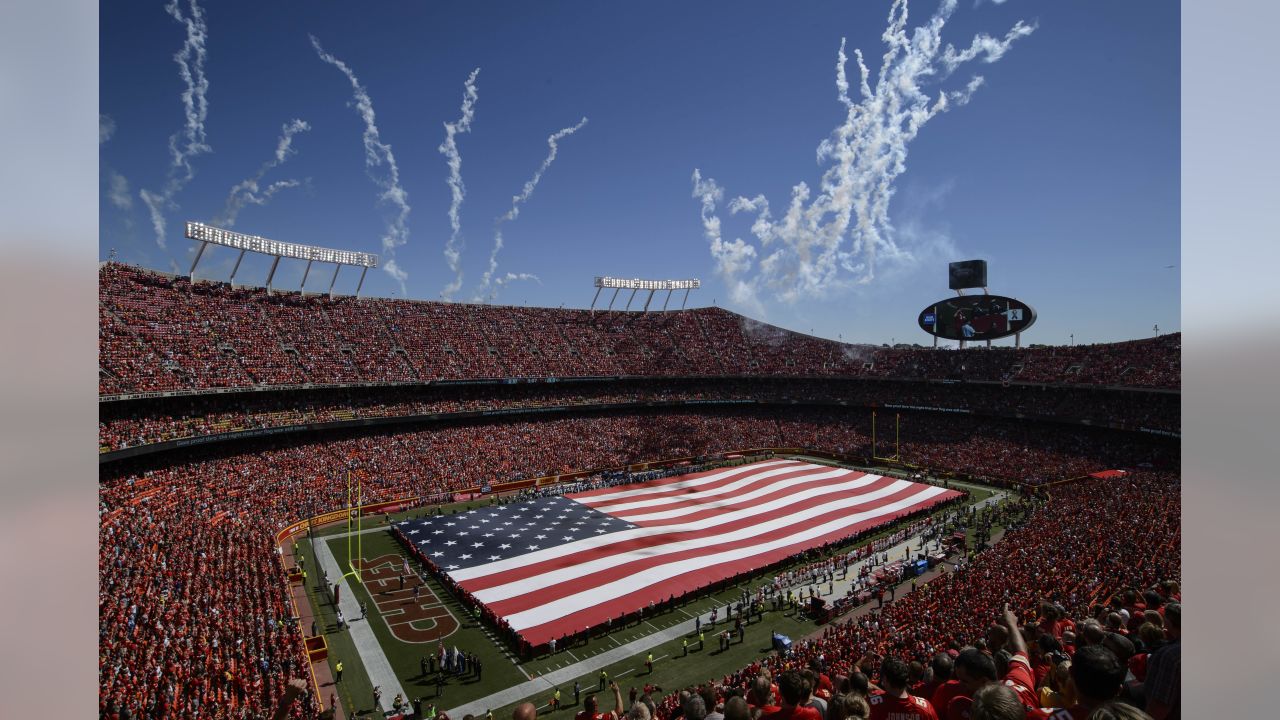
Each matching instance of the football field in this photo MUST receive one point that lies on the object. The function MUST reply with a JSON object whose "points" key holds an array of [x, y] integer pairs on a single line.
{"points": [[408, 624]]}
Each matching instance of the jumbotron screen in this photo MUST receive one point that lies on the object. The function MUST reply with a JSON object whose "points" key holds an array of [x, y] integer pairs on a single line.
{"points": [[976, 317]]}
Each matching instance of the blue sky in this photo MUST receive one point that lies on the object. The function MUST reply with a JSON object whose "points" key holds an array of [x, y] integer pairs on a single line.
{"points": [[1062, 169]]}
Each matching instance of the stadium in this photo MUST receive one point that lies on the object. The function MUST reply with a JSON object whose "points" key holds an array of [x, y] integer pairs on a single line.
{"points": [[236, 425], [325, 492]]}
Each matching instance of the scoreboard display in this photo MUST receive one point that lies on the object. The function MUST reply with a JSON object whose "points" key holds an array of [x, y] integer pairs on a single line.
{"points": [[976, 317], [967, 274]]}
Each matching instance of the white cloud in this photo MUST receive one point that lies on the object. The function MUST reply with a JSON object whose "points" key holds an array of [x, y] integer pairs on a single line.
{"points": [[517, 201], [836, 235], [458, 191], [377, 154]]}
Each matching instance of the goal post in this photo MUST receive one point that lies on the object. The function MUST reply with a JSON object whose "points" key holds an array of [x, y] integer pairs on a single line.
{"points": [[355, 513], [897, 422]]}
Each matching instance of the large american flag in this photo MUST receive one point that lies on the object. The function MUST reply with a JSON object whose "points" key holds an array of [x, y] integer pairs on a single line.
{"points": [[558, 565]]}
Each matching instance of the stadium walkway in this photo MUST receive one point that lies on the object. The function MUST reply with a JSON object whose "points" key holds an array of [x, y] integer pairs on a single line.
{"points": [[375, 660], [587, 669]]}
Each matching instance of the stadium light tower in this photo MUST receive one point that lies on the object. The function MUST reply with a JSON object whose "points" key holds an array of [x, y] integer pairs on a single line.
{"points": [[207, 234], [636, 284]]}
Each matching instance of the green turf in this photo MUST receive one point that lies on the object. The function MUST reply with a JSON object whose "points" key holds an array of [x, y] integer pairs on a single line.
{"points": [[500, 671]]}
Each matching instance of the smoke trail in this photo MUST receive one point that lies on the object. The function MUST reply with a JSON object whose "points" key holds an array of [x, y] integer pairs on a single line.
{"points": [[517, 201], [733, 259], [246, 192], [377, 153], [449, 148], [510, 278], [834, 239], [190, 60]]}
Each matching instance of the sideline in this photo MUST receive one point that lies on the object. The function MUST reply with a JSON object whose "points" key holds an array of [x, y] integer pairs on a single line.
{"points": [[587, 668], [371, 654]]}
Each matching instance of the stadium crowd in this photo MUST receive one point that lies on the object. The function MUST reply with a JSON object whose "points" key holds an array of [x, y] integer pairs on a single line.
{"points": [[124, 424], [195, 619], [1094, 571], [159, 332], [184, 542]]}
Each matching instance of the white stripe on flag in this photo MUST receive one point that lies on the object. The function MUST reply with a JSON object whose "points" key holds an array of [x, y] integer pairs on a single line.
{"points": [[696, 482], [585, 544], [620, 508], [761, 492], [578, 570], [591, 596]]}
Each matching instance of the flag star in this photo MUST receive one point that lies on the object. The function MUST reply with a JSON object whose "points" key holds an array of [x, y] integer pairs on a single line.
{"points": [[477, 544], [533, 547], [559, 517], [451, 543], [580, 522], [602, 531], [539, 537], [495, 557], [515, 534], [464, 532], [414, 532], [537, 517], [567, 538], [436, 554], [484, 520], [438, 532], [507, 522], [555, 523], [488, 534], [474, 527], [465, 557], [503, 546], [449, 524], [452, 567]]}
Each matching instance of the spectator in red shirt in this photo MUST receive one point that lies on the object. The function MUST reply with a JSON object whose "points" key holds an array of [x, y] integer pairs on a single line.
{"points": [[896, 703], [762, 696], [974, 669], [590, 710], [795, 692], [941, 665], [946, 691]]}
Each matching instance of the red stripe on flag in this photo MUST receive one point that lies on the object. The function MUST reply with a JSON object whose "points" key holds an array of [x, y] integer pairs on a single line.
{"points": [[612, 607]]}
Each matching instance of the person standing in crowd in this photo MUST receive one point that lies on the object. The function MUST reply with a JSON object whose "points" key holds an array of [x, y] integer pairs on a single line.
{"points": [[896, 703]]}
